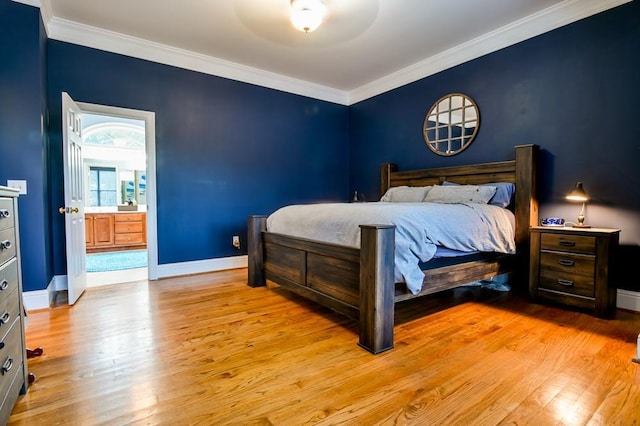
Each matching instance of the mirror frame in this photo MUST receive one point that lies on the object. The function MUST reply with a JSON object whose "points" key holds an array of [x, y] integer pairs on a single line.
{"points": [[457, 111]]}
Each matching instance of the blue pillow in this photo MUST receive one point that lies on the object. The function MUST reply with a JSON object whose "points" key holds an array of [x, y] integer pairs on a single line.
{"points": [[503, 195]]}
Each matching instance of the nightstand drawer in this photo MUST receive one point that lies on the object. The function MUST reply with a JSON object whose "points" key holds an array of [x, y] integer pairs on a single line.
{"points": [[571, 243], [568, 264], [567, 283]]}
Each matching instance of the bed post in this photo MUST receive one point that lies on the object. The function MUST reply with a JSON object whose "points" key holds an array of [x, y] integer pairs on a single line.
{"points": [[526, 204], [385, 176], [256, 225], [377, 287]]}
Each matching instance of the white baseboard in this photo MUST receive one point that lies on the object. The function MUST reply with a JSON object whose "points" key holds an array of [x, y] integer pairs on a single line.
{"points": [[202, 266], [628, 300], [40, 299], [37, 299]]}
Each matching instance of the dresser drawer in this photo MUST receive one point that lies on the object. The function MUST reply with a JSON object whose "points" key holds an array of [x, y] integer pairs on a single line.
{"points": [[6, 213], [573, 284], [11, 357], [568, 263], [7, 244], [16, 382], [125, 227], [8, 278], [567, 242], [9, 311]]}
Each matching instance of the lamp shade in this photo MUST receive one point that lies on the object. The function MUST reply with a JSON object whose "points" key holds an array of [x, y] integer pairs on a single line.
{"points": [[578, 194], [307, 15]]}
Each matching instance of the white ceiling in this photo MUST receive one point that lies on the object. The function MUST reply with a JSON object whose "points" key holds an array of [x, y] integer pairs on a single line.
{"points": [[364, 47]]}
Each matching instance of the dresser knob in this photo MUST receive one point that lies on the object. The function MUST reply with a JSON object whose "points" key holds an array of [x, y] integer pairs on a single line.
{"points": [[566, 283], [5, 245], [5, 318], [3, 285], [566, 262], [4, 213]]}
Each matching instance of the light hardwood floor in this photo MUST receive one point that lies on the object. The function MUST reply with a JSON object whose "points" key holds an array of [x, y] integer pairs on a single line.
{"points": [[209, 350]]}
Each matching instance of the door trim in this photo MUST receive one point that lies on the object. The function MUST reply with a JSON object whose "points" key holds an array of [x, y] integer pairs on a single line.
{"points": [[149, 119]]}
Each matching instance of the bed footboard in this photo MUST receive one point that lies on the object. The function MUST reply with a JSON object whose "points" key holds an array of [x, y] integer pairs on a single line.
{"points": [[355, 283]]}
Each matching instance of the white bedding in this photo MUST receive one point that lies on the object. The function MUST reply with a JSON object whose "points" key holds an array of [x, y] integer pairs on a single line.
{"points": [[420, 228]]}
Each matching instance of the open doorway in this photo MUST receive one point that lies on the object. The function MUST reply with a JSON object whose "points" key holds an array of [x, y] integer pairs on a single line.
{"points": [[115, 163], [118, 169]]}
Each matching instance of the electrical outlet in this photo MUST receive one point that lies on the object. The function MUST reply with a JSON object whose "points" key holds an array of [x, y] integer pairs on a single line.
{"points": [[236, 241]]}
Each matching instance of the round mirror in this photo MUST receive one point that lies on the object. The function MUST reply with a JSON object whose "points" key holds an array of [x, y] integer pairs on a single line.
{"points": [[451, 124]]}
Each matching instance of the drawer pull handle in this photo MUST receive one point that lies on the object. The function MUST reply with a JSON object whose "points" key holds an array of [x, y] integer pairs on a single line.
{"points": [[566, 283], [5, 318], [3, 285], [567, 243], [4, 213], [566, 262], [5, 245], [7, 366]]}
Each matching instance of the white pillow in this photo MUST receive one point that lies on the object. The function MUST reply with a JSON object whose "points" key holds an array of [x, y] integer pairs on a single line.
{"points": [[460, 194], [405, 194]]}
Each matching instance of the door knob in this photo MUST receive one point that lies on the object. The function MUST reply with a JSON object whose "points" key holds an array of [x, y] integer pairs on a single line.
{"points": [[64, 210]]}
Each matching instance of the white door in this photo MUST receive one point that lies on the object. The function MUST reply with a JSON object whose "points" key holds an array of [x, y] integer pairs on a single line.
{"points": [[73, 198]]}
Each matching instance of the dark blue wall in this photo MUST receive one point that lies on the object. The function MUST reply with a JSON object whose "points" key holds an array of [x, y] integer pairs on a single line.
{"points": [[573, 91], [224, 149], [22, 148]]}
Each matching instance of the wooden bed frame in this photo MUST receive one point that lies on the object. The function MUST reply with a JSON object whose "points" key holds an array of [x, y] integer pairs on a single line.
{"points": [[359, 282]]}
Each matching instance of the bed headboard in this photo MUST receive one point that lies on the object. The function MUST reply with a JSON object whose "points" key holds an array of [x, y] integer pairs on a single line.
{"points": [[521, 171]]}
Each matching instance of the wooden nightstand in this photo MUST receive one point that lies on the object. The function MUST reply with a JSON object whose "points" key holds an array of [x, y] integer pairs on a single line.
{"points": [[573, 267]]}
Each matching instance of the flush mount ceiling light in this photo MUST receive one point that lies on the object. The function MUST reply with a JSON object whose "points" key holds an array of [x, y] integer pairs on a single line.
{"points": [[307, 15]]}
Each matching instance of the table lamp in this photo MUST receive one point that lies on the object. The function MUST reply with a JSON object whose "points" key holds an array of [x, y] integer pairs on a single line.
{"points": [[579, 194]]}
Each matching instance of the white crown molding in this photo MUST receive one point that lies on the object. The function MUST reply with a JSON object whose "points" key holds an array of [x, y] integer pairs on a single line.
{"points": [[546, 20], [76, 33]]}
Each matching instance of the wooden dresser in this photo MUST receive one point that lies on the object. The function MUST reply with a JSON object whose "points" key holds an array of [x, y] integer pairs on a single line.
{"points": [[115, 231], [13, 365], [574, 267]]}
